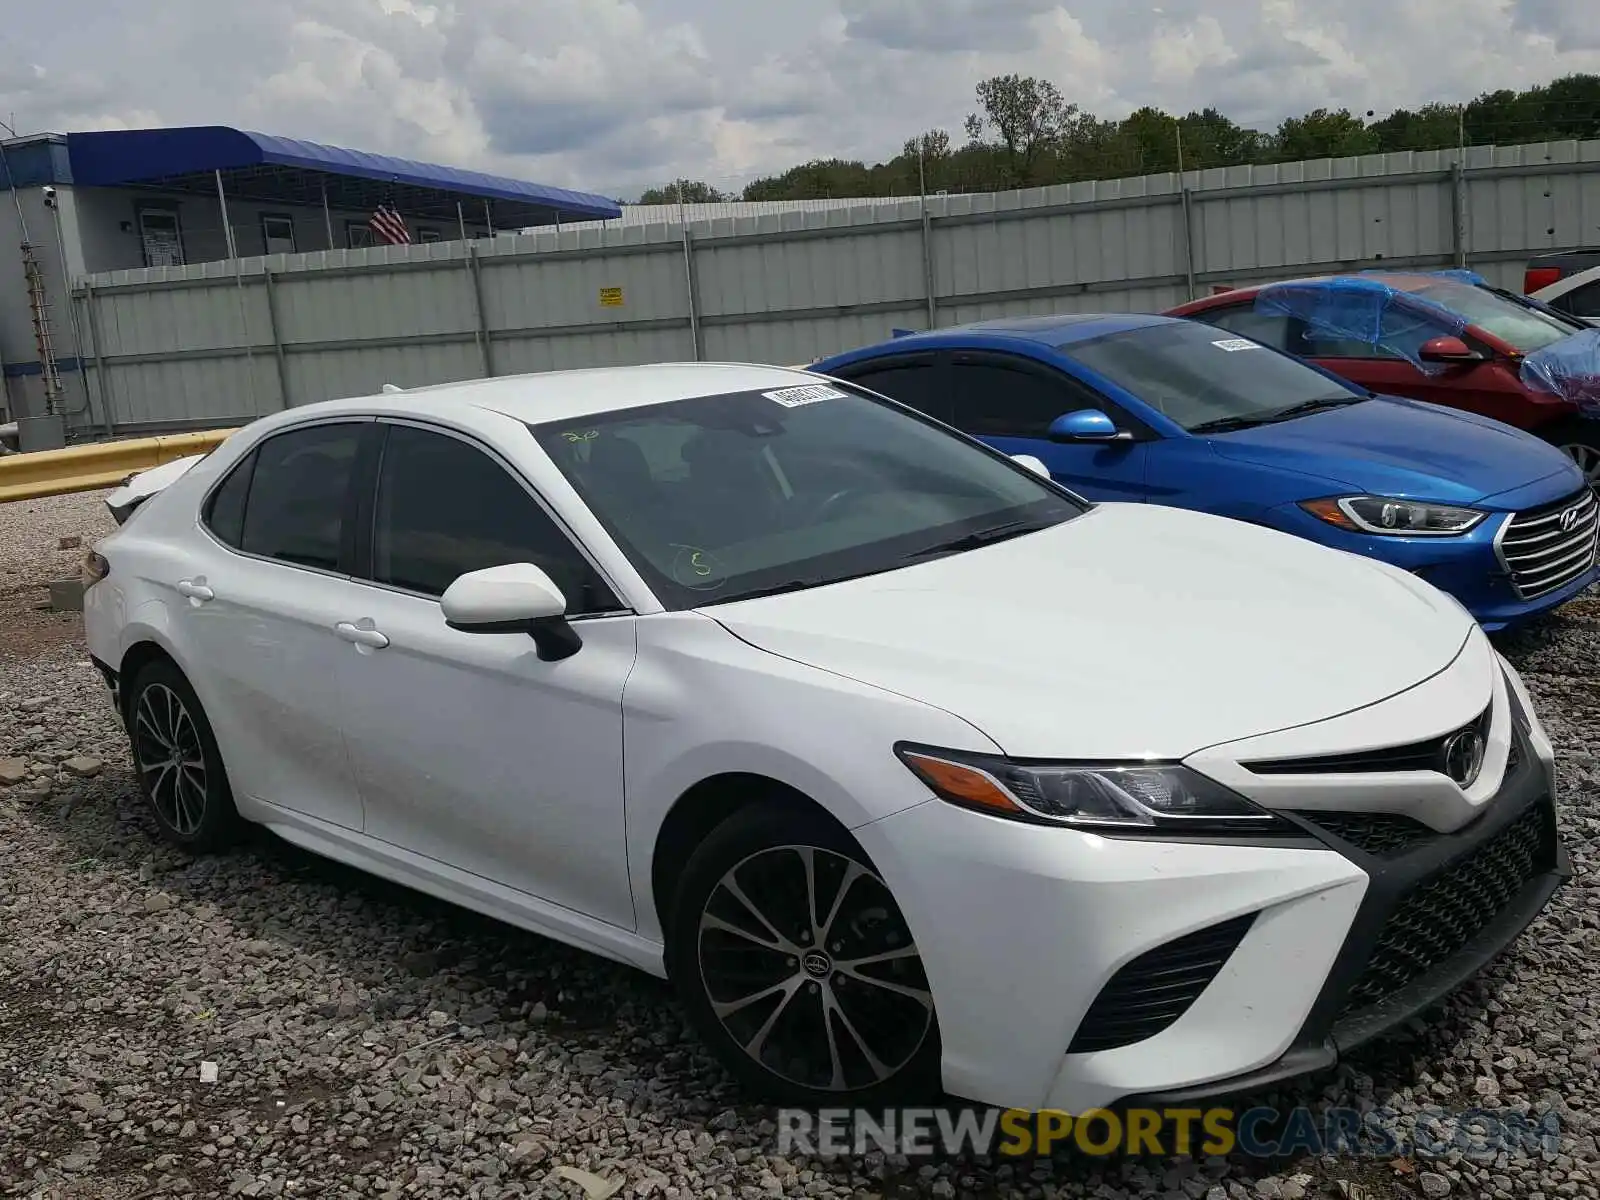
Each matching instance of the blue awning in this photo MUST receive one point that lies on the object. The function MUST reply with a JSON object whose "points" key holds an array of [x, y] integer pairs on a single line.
{"points": [[280, 170]]}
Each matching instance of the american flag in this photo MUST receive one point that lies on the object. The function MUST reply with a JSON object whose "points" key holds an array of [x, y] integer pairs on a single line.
{"points": [[387, 226]]}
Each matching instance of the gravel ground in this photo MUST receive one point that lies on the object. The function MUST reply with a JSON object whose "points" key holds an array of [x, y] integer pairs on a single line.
{"points": [[371, 1042]]}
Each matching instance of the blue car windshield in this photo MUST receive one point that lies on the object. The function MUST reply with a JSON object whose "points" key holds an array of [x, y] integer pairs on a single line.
{"points": [[1208, 380], [721, 498]]}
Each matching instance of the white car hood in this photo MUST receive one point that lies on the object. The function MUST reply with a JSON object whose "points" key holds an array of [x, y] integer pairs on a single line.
{"points": [[1134, 630]]}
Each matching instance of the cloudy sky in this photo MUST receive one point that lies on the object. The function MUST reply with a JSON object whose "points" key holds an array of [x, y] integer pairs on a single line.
{"points": [[614, 95]]}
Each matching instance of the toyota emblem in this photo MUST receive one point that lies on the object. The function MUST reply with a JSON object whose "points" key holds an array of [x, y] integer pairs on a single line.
{"points": [[1462, 756], [1570, 518]]}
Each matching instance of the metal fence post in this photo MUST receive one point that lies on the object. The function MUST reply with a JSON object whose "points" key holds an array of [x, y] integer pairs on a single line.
{"points": [[1458, 212], [107, 420], [277, 338], [480, 319], [1186, 203], [928, 288], [691, 285]]}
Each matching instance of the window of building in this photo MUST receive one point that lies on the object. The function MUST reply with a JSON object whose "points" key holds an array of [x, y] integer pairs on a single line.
{"points": [[277, 233], [160, 236]]}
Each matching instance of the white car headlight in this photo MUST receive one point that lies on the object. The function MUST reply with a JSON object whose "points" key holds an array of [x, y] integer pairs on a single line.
{"points": [[1149, 798], [1395, 517]]}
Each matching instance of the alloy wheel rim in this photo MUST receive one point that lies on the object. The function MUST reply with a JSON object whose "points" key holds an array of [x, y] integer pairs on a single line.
{"points": [[167, 749], [811, 969], [1587, 459]]}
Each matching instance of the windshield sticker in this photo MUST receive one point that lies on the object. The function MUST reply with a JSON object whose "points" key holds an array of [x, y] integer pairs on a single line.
{"points": [[796, 396], [1232, 344]]}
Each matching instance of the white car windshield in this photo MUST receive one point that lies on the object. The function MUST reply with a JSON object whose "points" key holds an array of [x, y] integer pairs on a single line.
{"points": [[719, 498]]}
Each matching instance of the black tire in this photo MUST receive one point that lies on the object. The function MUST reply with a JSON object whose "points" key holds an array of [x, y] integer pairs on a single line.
{"points": [[1579, 439], [176, 759], [733, 985]]}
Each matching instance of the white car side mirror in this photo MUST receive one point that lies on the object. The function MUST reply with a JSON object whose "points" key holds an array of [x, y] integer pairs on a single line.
{"points": [[515, 598], [1033, 464]]}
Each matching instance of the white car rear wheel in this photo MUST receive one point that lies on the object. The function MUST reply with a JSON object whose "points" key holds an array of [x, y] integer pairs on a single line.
{"points": [[177, 762]]}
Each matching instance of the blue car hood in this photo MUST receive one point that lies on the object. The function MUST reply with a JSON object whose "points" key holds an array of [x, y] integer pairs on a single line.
{"points": [[1393, 447]]}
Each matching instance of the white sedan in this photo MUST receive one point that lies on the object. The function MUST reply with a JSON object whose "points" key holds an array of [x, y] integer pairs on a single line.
{"points": [[907, 766]]}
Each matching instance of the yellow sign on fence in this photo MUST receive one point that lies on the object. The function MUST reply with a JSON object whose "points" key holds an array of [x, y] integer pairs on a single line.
{"points": [[611, 297]]}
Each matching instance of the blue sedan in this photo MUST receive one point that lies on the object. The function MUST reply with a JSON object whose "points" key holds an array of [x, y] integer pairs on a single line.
{"points": [[1165, 411]]}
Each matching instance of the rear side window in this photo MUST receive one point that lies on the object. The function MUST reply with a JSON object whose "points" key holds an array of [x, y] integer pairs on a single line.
{"points": [[1270, 329], [916, 385], [998, 401], [298, 495], [224, 512], [1580, 302], [445, 508]]}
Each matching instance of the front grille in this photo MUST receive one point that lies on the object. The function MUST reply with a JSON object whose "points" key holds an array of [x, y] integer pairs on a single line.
{"points": [[1439, 918], [1414, 756], [1373, 833], [1155, 989], [1540, 554]]}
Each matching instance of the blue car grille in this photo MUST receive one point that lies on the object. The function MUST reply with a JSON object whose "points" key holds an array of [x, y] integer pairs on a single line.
{"points": [[1550, 546]]}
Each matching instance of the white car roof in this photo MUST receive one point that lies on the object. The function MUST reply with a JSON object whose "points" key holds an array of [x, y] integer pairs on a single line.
{"points": [[557, 395]]}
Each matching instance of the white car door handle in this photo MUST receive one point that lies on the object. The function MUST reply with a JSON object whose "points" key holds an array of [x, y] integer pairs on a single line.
{"points": [[195, 591], [361, 637]]}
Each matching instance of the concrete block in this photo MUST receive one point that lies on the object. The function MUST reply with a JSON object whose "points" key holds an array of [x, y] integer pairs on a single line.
{"points": [[41, 433], [66, 595]]}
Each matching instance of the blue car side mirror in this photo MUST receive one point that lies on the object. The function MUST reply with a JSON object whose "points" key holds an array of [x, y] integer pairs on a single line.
{"points": [[1085, 425]]}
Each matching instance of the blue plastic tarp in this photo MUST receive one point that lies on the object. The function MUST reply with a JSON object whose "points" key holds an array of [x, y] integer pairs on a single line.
{"points": [[1570, 368], [1364, 313]]}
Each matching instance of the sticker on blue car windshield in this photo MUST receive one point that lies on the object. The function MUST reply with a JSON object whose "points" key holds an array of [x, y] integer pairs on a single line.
{"points": [[1231, 344], [809, 394]]}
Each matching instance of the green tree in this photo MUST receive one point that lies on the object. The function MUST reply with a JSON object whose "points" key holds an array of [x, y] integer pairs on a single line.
{"points": [[1431, 127], [1026, 117], [817, 180], [1151, 138], [1027, 133], [694, 192], [1323, 133], [1211, 139]]}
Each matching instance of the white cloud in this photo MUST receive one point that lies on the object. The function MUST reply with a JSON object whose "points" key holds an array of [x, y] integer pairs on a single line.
{"points": [[612, 95]]}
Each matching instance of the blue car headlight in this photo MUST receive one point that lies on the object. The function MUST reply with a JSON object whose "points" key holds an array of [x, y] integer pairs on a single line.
{"points": [[1395, 517]]}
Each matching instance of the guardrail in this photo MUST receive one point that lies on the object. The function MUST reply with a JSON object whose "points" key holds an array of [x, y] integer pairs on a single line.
{"points": [[100, 465]]}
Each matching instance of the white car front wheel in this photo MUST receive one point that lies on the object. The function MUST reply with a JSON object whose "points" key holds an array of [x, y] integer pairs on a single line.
{"points": [[797, 967]]}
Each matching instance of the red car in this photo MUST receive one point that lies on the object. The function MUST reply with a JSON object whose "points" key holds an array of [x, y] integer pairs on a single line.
{"points": [[1476, 369]]}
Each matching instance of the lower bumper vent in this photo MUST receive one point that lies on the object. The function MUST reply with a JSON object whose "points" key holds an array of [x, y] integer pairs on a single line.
{"points": [[1155, 989], [1440, 917]]}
